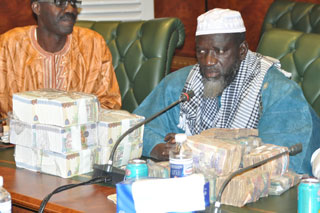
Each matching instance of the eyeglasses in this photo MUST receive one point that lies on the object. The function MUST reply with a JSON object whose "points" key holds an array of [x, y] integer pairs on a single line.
{"points": [[63, 3]]}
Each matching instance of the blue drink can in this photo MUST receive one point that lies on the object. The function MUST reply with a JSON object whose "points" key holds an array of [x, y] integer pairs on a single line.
{"points": [[309, 196], [136, 169]]}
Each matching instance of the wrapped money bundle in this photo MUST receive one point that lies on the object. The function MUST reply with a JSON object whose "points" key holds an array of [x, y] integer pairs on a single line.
{"points": [[245, 188], [229, 133], [247, 145], [278, 166], [112, 124], [247, 138], [158, 169], [55, 107], [214, 156], [281, 183], [63, 165], [55, 132], [53, 138]]}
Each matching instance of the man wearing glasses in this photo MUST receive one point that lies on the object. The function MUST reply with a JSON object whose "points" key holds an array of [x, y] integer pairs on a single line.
{"points": [[56, 54]]}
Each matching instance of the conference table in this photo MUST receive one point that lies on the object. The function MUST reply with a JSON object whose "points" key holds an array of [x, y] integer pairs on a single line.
{"points": [[29, 188]]}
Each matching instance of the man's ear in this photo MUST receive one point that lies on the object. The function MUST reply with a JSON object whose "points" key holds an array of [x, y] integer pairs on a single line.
{"points": [[36, 8], [243, 49]]}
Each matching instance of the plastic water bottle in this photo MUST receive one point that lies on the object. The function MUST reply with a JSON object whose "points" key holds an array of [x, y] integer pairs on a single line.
{"points": [[315, 163], [180, 158], [5, 199]]}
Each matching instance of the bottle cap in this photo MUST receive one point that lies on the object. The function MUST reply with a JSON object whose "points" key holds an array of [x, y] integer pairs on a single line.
{"points": [[1, 181], [180, 138]]}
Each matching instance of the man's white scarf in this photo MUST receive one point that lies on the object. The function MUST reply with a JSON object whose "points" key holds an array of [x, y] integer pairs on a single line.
{"points": [[239, 105]]}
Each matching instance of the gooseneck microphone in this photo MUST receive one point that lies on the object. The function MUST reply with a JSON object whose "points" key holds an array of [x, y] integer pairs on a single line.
{"points": [[117, 174], [292, 150]]}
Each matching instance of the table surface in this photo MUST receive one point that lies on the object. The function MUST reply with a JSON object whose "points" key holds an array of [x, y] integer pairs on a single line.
{"points": [[28, 188]]}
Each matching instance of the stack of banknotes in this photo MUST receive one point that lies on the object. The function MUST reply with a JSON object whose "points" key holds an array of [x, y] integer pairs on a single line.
{"points": [[217, 153], [278, 166], [55, 132]]}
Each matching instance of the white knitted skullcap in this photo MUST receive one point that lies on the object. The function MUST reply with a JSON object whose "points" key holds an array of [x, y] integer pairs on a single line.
{"points": [[220, 21]]}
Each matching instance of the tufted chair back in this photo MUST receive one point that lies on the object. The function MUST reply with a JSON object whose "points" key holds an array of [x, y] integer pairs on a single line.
{"points": [[299, 53], [298, 16], [142, 52]]}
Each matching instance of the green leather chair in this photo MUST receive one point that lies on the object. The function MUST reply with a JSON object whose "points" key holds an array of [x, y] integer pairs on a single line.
{"points": [[290, 15], [142, 52], [299, 53], [291, 33]]}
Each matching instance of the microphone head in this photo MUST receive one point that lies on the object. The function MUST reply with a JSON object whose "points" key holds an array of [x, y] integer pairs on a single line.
{"points": [[186, 96], [295, 149]]}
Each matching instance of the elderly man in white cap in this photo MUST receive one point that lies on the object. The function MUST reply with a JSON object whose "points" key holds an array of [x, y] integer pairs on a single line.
{"points": [[234, 88]]}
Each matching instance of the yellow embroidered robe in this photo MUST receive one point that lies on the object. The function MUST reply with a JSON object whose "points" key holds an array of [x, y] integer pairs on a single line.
{"points": [[84, 64]]}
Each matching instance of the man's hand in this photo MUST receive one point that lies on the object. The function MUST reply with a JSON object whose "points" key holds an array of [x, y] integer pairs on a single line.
{"points": [[161, 150]]}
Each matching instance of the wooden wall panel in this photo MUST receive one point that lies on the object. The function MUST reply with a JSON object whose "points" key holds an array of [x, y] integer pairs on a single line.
{"points": [[14, 13], [187, 11]]}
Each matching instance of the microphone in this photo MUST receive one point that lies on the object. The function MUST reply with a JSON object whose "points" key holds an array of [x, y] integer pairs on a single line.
{"points": [[292, 150], [117, 174]]}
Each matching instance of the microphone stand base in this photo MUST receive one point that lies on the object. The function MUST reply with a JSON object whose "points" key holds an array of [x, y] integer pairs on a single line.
{"points": [[116, 174]]}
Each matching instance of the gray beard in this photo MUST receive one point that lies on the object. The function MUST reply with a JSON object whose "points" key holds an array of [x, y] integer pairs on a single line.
{"points": [[213, 88]]}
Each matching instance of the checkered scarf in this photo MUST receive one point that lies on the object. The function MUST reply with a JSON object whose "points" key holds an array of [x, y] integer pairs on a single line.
{"points": [[239, 105]]}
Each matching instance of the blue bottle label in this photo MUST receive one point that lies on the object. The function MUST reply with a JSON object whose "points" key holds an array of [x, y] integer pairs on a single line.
{"points": [[181, 167]]}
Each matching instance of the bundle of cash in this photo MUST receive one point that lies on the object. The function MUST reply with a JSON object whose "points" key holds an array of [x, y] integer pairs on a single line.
{"points": [[281, 183], [66, 108], [62, 165], [112, 124], [214, 156], [242, 189], [53, 138], [158, 169], [229, 133], [278, 166]]}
